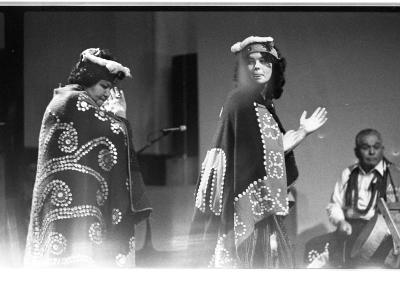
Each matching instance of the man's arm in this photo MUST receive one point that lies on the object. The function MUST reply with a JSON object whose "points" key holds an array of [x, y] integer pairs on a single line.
{"points": [[336, 204]]}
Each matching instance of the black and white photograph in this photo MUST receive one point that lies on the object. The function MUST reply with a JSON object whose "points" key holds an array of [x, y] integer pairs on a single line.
{"points": [[195, 135]]}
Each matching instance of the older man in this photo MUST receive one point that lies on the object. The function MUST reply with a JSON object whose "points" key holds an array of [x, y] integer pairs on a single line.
{"points": [[354, 203]]}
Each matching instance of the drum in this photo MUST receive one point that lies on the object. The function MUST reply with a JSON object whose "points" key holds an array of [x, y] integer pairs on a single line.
{"points": [[373, 238]]}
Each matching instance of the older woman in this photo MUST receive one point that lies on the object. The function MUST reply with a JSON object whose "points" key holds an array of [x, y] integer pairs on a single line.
{"points": [[88, 192], [242, 193]]}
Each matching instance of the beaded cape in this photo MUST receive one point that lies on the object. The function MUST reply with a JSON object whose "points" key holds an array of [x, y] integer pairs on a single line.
{"points": [[244, 178], [88, 192]]}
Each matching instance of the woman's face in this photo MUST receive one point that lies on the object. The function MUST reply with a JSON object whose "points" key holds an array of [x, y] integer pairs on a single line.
{"points": [[100, 91], [259, 67]]}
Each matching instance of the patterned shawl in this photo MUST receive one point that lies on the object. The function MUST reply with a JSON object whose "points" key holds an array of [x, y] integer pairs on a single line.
{"points": [[244, 177], [88, 192]]}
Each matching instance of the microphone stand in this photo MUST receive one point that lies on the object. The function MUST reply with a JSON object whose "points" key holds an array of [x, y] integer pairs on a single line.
{"points": [[148, 253], [152, 141]]}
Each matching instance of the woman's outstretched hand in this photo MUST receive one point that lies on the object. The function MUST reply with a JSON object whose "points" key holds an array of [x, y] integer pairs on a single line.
{"points": [[314, 122], [116, 102], [292, 138]]}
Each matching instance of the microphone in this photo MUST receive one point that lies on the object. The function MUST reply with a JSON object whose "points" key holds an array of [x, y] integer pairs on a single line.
{"points": [[181, 128]]}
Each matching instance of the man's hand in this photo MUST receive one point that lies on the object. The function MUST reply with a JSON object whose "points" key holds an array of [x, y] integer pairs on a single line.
{"points": [[314, 122]]}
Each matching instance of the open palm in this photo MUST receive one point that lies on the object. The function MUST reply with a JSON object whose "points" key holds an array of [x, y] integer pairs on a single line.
{"points": [[315, 121]]}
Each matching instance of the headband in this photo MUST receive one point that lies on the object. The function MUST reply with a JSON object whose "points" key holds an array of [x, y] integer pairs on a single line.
{"points": [[112, 66]]}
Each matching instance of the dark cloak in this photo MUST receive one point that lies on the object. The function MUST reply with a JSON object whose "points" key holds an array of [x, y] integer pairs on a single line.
{"points": [[243, 183], [88, 192]]}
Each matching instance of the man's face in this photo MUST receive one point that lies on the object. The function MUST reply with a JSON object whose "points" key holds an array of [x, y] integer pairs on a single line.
{"points": [[369, 151], [260, 68]]}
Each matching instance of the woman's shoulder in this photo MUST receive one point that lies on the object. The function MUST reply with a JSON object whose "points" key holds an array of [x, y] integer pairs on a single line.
{"points": [[238, 99], [68, 98], [67, 92]]}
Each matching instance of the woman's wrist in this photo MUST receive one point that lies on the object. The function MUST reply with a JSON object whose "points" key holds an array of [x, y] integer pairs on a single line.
{"points": [[302, 131]]}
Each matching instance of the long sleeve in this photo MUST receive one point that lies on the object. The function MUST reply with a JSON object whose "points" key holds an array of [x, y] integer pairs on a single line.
{"points": [[336, 204], [336, 208]]}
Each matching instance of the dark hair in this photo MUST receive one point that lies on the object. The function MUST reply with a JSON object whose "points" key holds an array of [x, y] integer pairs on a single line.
{"points": [[277, 81], [88, 73], [365, 132]]}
